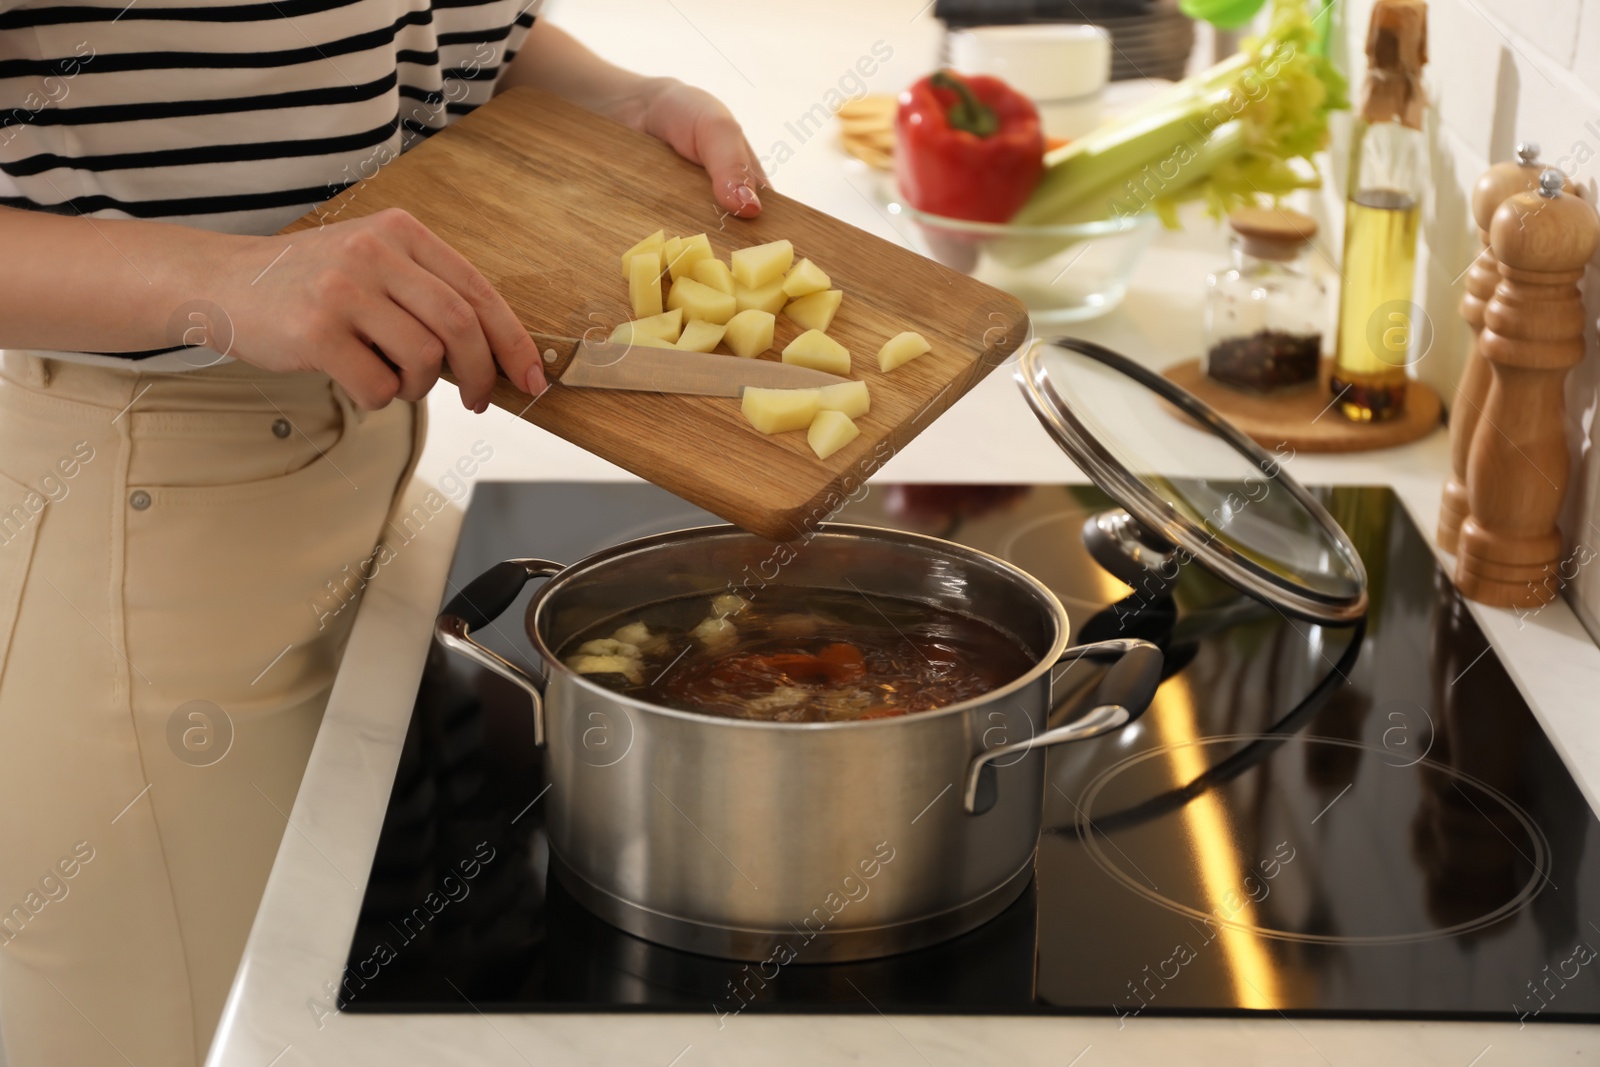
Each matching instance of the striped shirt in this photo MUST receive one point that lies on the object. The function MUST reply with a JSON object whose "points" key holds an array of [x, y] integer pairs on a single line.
{"points": [[230, 115]]}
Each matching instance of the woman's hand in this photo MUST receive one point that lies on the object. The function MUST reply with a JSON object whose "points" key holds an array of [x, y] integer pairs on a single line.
{"points": [[323, 299], [701, 130]]}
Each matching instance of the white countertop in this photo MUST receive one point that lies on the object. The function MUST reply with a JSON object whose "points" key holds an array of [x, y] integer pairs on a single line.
{"points": [[302, 932]]}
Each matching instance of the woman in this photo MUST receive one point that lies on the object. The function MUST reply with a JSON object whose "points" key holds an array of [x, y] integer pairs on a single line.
{"points": [[171, 518]]}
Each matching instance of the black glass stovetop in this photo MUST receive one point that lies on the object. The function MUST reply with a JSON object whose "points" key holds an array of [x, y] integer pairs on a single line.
{"points": [[1361, 822]]}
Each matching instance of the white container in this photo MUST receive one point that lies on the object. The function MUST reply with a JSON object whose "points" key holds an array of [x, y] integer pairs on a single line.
{"points": [[1061, 67]]}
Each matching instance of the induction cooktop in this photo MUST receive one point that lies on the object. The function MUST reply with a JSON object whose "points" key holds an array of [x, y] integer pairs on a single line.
{"points": [[1354, 821]]}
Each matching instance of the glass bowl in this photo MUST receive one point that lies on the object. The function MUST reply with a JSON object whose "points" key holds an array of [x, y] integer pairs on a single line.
{"points": [[1064, 273]]}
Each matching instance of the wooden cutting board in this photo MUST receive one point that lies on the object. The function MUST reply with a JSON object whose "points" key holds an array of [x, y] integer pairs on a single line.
{"points": [[544, 197]]}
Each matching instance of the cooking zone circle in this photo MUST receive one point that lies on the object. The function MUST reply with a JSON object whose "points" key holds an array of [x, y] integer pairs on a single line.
{"points": [[1110, 799]]}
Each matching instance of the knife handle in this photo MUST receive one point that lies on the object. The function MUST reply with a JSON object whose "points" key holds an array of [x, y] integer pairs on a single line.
{"points": [[556, 355]]}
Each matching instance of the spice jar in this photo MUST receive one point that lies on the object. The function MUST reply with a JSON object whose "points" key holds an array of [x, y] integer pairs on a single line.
{"points": [[1264, 313]]}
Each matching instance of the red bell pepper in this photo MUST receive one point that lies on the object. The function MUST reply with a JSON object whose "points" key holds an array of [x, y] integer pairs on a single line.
{"points": [[967, 147]]}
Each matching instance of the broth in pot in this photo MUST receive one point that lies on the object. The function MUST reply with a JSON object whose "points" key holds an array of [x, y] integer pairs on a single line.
{"points": [[797, 654]]}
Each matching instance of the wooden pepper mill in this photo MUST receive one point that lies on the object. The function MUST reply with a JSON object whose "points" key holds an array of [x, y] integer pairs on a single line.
{"points": [[1499, 182], [1517, 467]]}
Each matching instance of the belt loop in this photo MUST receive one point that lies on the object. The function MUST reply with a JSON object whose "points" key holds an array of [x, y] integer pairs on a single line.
{"points": [[37, 371]]}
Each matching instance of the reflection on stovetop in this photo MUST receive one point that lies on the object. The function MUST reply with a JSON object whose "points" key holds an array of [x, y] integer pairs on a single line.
{"points": [[1358, 821]]}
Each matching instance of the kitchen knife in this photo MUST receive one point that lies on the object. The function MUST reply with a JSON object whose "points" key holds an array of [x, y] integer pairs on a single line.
{"points": [[643, 369], [581, 364]]}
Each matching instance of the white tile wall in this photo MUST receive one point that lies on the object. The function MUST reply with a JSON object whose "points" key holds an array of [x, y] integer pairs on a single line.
{"points": [[1502, 71]]}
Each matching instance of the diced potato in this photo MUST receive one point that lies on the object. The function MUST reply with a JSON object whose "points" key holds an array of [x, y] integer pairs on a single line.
{"points": [[700, 301], [644, 285], [715, 273], [756, 266], [654, 256], [626, 666], [642, 340], [608, 656], [749, 332], [847, 397], [664, 327], [609, 646], [829, 432], [728, 604], [652, 243], [815, 312], [700, 336], [901, 348], [639, 636], [768, 298], [716, 632], [805, 278], [682, 257], [634, 633], [818, 351], [778, 410]]}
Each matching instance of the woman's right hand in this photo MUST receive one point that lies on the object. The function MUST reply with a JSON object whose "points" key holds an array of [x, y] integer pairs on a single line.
{"points": [[322, 300]]}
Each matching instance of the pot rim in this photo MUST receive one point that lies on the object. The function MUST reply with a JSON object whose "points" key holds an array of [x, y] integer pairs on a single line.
{"points": [[553, 665]]}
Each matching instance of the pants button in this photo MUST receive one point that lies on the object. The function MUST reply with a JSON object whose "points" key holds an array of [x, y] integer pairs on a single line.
{"points": [[139, 499], [280, 428]]}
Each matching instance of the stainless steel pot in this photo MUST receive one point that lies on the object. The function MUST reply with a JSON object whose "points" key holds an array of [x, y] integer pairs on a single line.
{"points": [[794, 841]]}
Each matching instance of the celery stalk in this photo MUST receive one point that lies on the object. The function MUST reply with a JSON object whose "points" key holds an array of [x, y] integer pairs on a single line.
{"points": [[1229, 135], [1153, 149]]}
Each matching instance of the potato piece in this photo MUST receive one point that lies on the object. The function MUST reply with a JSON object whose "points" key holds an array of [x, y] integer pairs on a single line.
{"points": [[818, 351], [727, 604], [639, 636], [715, 273], [664, 327], [901, 348], [700, 336], [815, 312], [609, 646], [778, 410], [749, 332], [636, 634], [653, 243], [715, 632], [848, 397], [626, 666], [653, 256], [768, 298], [805, 278], [756, 266], [644, 285], [829, 432], [680, 259], [700, 301], [642, 340]]}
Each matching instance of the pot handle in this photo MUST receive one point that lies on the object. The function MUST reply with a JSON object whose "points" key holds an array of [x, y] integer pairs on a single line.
{"points": [[1122, 696], [479, 604]]}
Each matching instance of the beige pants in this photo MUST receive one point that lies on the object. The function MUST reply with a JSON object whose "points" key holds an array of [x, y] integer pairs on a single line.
{"points": [[173, 603]]}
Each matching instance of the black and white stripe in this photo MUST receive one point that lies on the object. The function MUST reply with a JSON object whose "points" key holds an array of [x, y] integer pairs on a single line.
{"points": [[237, 117]]}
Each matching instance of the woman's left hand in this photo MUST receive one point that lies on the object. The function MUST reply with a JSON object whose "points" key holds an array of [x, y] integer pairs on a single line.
{"points": [[701, 130]]}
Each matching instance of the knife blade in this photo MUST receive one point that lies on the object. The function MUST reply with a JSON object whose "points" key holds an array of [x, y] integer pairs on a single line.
{"points": [[640, 368]]}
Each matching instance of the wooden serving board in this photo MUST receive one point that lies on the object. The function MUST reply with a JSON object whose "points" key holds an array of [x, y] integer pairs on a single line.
{"points": [[1303, 418], [544, 197]]}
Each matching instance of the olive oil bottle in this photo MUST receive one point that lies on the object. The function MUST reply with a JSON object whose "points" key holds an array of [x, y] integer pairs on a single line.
{"points": [[1377, 316]]}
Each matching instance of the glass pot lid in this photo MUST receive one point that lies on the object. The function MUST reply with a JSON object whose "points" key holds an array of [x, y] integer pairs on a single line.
{"points": [[1233, 508]]}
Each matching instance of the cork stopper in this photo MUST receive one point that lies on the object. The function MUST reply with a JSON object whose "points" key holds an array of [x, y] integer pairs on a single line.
{"points": [[1505, 180], [1397, 50], [1272, 233], [1548, 230]]}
